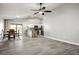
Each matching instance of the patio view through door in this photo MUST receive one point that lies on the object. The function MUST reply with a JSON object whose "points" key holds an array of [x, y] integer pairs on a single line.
{"points": [[17, 28]]}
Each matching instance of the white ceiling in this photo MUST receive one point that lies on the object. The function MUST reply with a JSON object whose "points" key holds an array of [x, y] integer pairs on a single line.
{"points": [[13, 10]]}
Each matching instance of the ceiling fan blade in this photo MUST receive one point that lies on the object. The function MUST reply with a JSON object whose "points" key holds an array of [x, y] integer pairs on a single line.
{"points": [[43, 8], [47, 11], [35, 10], [36, 13]]}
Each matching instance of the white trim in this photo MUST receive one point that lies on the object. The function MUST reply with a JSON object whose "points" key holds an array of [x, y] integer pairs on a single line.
{"points": [[62, 40]]}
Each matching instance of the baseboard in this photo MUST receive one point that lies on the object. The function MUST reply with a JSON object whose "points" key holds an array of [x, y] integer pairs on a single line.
{"points": [[62, 40]]}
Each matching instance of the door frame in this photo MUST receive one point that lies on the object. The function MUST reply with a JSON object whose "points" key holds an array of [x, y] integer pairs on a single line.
{"points": [[17, 25]]}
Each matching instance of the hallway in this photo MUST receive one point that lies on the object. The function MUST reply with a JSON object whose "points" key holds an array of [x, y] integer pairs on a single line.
{"points": [[37, 46]]}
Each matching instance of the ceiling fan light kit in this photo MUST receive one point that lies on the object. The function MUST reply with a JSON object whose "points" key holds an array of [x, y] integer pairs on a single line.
{"points": [[40, 12]]}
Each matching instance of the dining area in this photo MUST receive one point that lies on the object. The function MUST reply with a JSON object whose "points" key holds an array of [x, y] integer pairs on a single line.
{"points": [[11, 33]]}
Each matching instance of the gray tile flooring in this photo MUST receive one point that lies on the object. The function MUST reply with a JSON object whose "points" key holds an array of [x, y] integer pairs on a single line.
{"points": [[37, 46]]}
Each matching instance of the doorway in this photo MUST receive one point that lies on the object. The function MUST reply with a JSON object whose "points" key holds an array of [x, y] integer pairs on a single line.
{"points": [[17, 27]]}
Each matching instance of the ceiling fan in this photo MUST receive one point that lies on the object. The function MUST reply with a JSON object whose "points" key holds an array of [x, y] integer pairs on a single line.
{"points": [[41, 10]]}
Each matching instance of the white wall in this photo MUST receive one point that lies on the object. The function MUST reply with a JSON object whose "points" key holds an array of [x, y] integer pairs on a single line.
{"points": [[63, 23], [1, 26]]}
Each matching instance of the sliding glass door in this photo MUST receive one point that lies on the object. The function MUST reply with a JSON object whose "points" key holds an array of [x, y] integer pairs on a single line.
{"points": [[12, 26], [17, 27]]}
